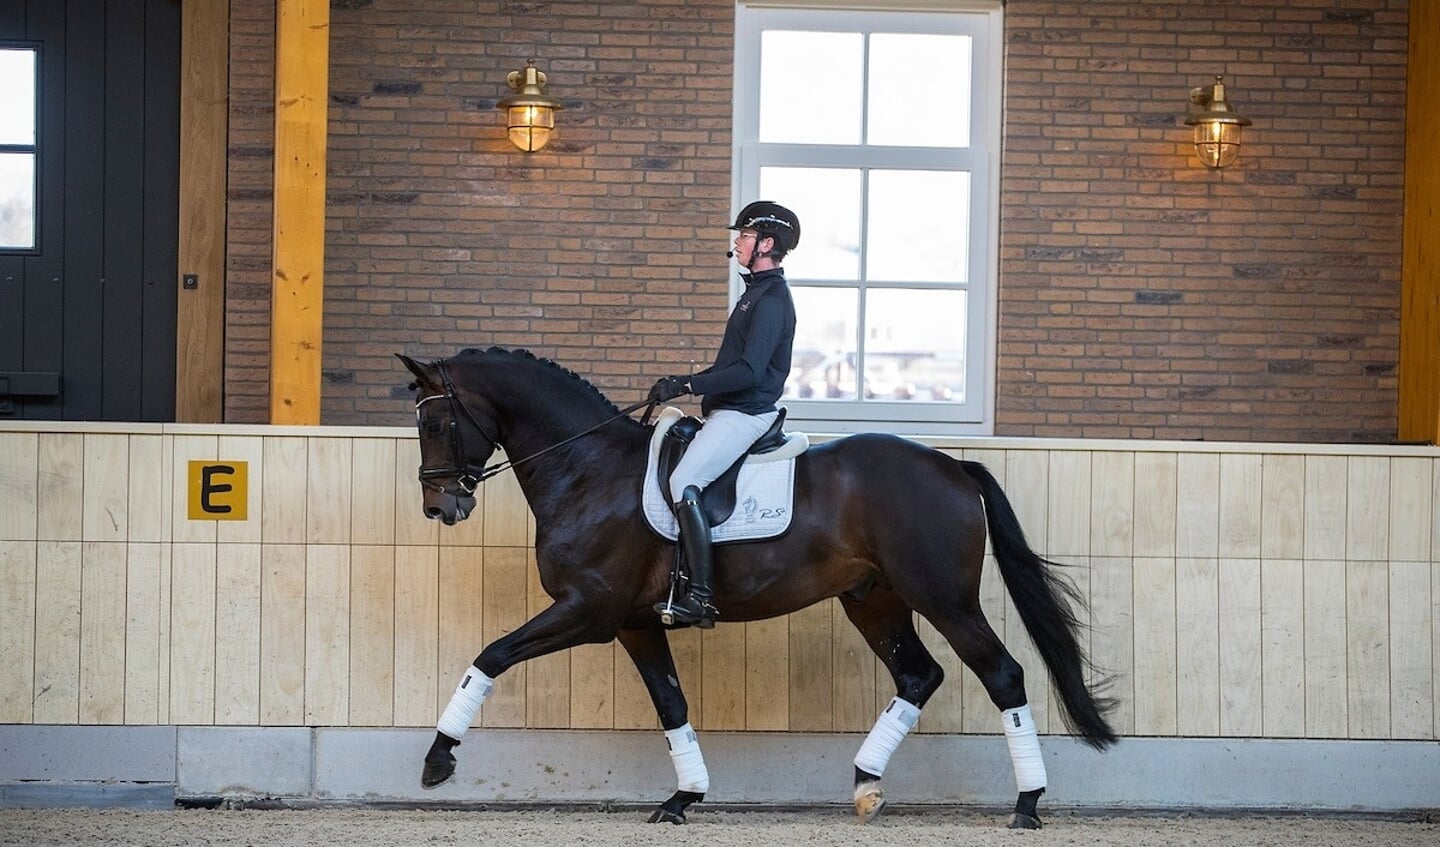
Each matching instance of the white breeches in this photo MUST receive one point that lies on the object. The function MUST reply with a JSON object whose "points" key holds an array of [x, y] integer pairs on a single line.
{"points": [[726, 436]]}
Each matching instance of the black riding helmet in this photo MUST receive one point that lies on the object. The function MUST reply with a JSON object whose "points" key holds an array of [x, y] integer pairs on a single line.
{"points": [[770, 218]]}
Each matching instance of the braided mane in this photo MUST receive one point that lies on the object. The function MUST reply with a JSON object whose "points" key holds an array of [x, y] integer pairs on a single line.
{"points": [[527, 356]]}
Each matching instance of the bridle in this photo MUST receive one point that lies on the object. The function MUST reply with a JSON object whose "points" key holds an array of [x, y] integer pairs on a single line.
{"points": [[469, 476]]}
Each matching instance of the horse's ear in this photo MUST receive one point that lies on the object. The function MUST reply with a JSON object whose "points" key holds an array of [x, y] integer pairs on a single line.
{"points": [[414, 367]]}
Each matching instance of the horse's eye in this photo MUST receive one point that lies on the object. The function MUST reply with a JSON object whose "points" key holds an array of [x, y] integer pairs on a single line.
{"points": [[432, 427]]}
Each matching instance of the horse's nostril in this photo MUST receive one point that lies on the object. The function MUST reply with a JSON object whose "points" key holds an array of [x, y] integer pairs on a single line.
{"points": [[434, 513]]}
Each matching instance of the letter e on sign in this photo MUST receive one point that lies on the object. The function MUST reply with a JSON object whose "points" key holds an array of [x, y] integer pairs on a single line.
{"points": [[218, 491]]}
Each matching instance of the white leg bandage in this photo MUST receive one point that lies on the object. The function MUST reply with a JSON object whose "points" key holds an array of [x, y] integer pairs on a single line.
{"points": [[690, 771], [890, 728], [469, 694], [1024, 746]]}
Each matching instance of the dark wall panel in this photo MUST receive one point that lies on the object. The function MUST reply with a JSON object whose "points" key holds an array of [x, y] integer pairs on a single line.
{"points": [[124, 129], [84, 197], [161, 212]]}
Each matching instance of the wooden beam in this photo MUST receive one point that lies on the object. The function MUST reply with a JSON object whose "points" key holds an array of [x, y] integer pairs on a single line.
{"points": [[302, 60], [200, 310], [1419, 411]]}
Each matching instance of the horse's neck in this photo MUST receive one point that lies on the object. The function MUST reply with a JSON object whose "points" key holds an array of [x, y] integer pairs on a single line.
{"points": [[529, 434], [553, 480], [535, 406], [540, 409], [538, 429]]}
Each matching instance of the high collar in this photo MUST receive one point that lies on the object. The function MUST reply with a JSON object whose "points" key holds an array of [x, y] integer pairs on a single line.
{"points": [[763, 277]]}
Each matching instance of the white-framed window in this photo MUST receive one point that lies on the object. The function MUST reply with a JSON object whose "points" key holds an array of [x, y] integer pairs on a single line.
{"points": [[881, 130], [19, 124]]}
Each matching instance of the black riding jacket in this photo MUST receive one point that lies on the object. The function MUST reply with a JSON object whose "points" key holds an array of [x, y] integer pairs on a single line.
{"points": [[754, 357]]}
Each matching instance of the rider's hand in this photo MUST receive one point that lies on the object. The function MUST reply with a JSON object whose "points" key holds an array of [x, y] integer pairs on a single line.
{"points": [[668, 388]]}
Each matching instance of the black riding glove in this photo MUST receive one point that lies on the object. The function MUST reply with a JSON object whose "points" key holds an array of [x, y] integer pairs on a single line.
{"points": [[668, 388]]}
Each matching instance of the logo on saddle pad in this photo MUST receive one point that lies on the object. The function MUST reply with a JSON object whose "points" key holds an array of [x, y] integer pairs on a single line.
{"points": [[764, 490]]}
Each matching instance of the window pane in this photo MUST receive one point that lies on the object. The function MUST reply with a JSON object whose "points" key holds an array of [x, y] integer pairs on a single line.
{"points": [[823, 362], [915, 344], [17, 96], [17, 201], [810, 87], [918, 226], [827, 201], [919, 90]]}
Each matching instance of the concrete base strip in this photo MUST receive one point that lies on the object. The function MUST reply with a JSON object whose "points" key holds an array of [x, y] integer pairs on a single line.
{"points": [[632, 767]]}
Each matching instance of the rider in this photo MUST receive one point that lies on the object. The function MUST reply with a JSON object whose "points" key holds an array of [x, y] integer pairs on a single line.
{"points": [[739, 389]]}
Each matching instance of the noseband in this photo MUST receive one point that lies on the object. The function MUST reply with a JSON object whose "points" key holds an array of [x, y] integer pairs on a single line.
{"points": [[468, 476]]}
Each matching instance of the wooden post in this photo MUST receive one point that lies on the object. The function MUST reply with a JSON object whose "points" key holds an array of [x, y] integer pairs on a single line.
{"points": [[200, 307], [302, 59], [1419, 411]]}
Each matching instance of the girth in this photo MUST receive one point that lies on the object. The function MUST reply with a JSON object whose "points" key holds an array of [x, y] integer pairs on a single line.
{"points": [[718, 498]]}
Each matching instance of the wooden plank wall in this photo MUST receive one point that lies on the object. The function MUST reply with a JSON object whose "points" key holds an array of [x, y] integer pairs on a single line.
{"points": [[1233, 593], [204, 124]]}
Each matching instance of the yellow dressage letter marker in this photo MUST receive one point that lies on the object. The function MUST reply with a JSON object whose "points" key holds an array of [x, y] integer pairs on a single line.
{"points": [[218, 491]]}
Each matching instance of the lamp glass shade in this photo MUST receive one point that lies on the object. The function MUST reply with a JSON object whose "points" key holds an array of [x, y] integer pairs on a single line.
{"points": [[530, 126], [1217, 142]]}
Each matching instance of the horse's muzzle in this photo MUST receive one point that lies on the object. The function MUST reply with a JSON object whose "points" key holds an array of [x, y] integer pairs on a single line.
{"points": [[448, 508]]}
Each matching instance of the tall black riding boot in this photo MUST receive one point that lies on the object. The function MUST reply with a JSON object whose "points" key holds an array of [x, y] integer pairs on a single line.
{"points": [[694, 608]]}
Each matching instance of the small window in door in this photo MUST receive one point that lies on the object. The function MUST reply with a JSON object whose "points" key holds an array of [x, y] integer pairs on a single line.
{"points": [[19, 120]]}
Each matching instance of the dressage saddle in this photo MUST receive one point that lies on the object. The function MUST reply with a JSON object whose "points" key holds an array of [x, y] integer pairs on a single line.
{"points": [[718, 498]]}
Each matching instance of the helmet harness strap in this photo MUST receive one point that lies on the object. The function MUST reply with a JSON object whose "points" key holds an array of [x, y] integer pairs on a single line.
{"points": [[755, 251]]}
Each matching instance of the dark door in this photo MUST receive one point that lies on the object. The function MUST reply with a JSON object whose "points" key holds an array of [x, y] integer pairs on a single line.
{"points": [[87, 307]]}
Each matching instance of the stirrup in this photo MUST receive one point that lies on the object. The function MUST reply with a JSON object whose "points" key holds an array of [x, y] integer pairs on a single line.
{"points": [[673, 614]]}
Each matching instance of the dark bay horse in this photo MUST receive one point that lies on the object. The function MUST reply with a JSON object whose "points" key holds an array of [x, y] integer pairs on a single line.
{"points": [[890, 527]]}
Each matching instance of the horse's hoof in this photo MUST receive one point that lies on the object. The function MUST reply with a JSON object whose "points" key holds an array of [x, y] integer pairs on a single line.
{"points": [[664, 816], [1024, 821], [436, 773], [869, 801]]}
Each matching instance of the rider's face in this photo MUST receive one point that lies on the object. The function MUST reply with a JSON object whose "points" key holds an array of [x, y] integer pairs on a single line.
{"points": [[745, 245]]}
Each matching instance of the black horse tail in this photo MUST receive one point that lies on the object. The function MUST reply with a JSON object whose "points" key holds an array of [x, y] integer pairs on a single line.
{"points": [[1046, 605]]}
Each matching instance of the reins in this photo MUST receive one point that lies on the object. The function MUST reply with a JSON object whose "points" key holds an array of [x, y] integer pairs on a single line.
{"points": [[469, 478], [501, 467]]}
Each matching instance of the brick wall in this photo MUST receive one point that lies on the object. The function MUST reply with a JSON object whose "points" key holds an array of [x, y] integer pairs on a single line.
{"points": [[249, 199], [604, 251], [1141, 295], [1145, 296]]}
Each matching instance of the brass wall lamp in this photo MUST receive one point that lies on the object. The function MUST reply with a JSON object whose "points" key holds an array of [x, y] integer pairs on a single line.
{"points": [[530, 114], [1217, 125]]}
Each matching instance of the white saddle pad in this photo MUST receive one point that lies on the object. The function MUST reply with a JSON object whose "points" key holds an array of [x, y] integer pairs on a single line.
{"points": [[764, 496]]}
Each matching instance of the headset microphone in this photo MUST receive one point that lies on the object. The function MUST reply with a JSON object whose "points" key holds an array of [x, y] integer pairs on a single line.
{"points": [[729, 254]]}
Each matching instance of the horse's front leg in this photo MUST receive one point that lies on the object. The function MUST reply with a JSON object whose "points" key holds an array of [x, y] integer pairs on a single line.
{"points": [[649, 649], [563, 625]]}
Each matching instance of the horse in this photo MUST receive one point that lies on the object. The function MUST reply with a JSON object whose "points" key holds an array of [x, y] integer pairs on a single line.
{"points": [[891, 527]]}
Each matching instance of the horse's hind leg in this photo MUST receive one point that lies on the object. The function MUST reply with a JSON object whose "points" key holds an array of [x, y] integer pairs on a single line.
{"points": [[981, 650], [649, 649], [888, 626]]}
